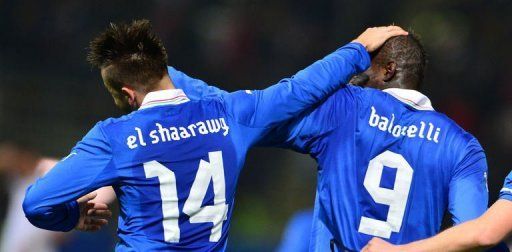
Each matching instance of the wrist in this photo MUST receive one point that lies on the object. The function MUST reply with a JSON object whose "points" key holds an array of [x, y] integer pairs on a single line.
{"points": [[364, 59], [360, 43], [74, 214]]}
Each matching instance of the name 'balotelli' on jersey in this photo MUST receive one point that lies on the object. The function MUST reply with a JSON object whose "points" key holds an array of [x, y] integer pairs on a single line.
{"points": [[174, 163], [389, 167]]}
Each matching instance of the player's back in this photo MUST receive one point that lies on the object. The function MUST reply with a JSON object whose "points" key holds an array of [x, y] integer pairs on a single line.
{"points": [[174, 166], [178, 170], [393, 167]]}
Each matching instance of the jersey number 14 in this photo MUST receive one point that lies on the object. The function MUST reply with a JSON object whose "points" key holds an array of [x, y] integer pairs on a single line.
{"points": [[395, 198], [216, 213]]}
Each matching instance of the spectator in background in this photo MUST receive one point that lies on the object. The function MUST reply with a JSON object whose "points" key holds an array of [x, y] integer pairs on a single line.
{"points": [[21, 167]]}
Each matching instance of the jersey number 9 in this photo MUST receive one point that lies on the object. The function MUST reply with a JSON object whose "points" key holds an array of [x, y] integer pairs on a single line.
{"points": [[395, 198]]}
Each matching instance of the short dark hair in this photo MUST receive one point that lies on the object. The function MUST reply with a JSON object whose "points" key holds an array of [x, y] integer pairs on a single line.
{"points": [[409, 55], [129, 54]]}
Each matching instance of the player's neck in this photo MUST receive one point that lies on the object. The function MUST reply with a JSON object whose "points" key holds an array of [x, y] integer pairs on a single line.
{"points": [[400, 84], [164, 84]]}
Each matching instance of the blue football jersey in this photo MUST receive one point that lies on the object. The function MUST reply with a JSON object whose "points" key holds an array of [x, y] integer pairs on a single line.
{"points": [[506, 191], [388, 166], [174, 163]]}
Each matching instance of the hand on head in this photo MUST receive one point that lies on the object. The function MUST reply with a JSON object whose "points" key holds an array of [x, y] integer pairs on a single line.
{"points": [[373, 38]]}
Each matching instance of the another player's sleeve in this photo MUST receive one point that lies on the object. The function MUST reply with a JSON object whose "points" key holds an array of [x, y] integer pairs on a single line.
{"points": [[305, 133], [195, 89], [292, 96], [50, 203], [506, 191], [468, 196]]}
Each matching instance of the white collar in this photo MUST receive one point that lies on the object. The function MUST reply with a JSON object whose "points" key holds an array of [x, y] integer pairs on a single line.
{"points": [[411, 97], [164, 97]]}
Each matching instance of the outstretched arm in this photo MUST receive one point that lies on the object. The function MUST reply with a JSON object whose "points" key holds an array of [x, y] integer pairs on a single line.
{"points": [[195, 89], [291, 96], [484, 232]]}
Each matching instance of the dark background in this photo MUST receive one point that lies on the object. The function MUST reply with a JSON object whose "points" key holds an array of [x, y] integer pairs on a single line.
{"points": [[50, 97]]}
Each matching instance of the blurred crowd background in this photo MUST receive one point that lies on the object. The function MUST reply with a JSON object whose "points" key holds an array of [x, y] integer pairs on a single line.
{"points": [[50, 97]]}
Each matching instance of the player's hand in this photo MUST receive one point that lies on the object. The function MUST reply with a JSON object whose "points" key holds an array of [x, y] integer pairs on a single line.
{"points": [[373, 38], [93, 215], [379, 245]]}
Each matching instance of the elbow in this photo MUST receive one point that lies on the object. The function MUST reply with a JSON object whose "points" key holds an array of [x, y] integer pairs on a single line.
{"points": [[39, 214], [32, 210], [486, 238], [60, 217]]}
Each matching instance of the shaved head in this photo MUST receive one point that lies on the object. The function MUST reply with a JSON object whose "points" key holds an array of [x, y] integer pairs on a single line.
{"points": [[400, 63]]}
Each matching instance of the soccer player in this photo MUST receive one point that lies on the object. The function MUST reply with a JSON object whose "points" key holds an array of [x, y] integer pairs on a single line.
{"points": [[174, 163], [389, 165], [486, 231]]}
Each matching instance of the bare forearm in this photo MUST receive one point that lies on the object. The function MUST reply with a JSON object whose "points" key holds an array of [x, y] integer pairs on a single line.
{"points": [[486, 231], [460, 238], [106, 195]]}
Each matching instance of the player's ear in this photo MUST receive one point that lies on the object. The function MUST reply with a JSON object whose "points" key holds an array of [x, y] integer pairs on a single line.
{"points": [[130, 95], [390, 71]]}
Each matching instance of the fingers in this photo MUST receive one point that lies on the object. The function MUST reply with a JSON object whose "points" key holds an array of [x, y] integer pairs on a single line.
{"points": [[90, 228], [92, 224], [87, 197], [97, 206], [91, 196], [99, 213], [373, 38], [95, 222], [393, 28], [93, 215], [396, 31]]}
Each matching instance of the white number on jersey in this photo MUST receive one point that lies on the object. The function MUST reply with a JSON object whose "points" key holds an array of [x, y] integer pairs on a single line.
{"points": [[217, 214], [395, 198]]}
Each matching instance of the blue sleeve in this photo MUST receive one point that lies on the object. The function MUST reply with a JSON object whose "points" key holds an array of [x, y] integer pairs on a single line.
{"points": [[506, 191], [297, 233], [292, 96], [50, 203], [195, 89], [468, 193], [303, 133]]}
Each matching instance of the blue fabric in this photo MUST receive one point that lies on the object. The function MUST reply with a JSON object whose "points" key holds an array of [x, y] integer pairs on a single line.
{"points": [[506, 192], [181, 138], [297, 232], [356, 125], [448, 174]]}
